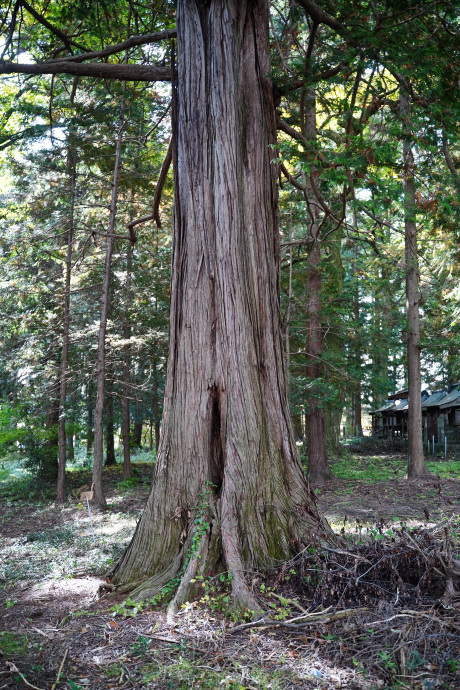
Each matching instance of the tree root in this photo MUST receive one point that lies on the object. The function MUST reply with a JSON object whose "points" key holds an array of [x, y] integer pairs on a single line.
{"points": [[184, 588], [314, 618]]}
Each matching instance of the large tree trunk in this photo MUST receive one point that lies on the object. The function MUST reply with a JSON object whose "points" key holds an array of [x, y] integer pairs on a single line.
{"points": [[226, 445], [416, 464]]}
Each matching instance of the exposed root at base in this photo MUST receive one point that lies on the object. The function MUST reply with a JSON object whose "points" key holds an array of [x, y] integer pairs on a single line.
{"points": [[184, 588]]}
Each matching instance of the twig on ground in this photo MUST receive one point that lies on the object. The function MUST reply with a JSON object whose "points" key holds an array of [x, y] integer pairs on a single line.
{"points": [[40, 632], [14, 669], [288, 601], [53, 687], [315, 618]]}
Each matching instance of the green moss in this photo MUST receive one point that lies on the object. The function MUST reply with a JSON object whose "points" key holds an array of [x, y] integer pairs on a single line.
{"points": [[12, 644]]}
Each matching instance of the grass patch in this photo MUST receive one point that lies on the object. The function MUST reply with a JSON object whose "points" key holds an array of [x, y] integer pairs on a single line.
{"points": [[448, 469], [370, 469], [377, 468], [186, 674], [27, 489], [56, 537]]}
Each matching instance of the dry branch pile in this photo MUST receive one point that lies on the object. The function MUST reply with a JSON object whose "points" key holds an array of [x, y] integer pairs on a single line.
{"points": [[390, 607]]}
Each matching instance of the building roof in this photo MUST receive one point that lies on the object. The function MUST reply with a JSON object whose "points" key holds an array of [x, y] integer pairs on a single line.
{"points": [[433, 399], [400, 404], [452, 398], [389, 405], [402, 394]]}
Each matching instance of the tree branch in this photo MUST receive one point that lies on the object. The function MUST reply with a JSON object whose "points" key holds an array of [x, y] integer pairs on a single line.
{"points": [[155, 215], [102, 70], [321, 17], [120, 47], [161, 181], [44, 22], [293, 133], [450, 163], [291, 179]]}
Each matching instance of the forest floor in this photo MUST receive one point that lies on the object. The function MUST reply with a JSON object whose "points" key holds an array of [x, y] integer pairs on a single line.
{"points": [[368, 615]]}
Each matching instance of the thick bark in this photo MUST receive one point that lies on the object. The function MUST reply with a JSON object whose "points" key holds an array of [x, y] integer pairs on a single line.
{"points": [[227, 443], [71, 167], [156, 405], [416, 463], [99, 497]]}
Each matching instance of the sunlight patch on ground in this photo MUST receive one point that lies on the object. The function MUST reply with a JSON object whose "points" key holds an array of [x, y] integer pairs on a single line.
{"points": [[85, 588]]}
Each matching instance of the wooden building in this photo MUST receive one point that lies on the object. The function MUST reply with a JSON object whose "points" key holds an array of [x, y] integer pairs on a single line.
{"points": [[440, 414]]}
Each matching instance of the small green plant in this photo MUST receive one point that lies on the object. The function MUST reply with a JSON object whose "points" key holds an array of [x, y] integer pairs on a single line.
{"points": [[128, 484], [453, 665], [139, 648], [127, 608], [360, 668], [114, 670], [73, 685], [387, 660], [9, 603]]}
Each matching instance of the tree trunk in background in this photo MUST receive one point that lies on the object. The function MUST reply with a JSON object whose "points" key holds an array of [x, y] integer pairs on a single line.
{"points": [[137, 434], [416, 463], [109, 431], [126, 426], [357, 409], [315, 428], [333, 342], [100, 369], [318, 465], [227, 446], [71, 168], [89, 417], [381, 345], [50, 465]]}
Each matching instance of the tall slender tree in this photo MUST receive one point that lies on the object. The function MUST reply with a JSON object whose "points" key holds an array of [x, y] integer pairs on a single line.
{"points": [[416, 464]]}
